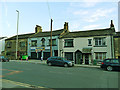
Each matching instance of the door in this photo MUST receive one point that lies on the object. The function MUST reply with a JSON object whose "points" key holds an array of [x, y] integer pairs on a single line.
{"points": [[86, 58], [78, 57], [39, 55], [59, 61], [115, 63], [55, 52], [33, 55], [46, 55]]}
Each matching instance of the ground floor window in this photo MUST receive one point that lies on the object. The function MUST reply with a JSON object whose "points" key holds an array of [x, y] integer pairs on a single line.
{"points": [[100, 55], [46, 55], [69, 55], [33, 55]]}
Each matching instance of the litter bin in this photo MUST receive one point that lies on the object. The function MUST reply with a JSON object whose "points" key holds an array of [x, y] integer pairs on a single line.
{"points": [[94, 62]]}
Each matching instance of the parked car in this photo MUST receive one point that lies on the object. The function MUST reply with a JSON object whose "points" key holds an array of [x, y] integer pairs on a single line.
{"points": [[60, 61], [110, 64], [3, 59]]}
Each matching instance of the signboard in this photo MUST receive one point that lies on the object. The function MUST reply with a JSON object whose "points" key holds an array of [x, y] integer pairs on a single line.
{"points": [[40, 48]]}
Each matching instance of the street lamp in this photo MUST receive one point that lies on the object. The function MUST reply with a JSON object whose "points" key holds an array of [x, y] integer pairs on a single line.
{"points": [[17, 33]]}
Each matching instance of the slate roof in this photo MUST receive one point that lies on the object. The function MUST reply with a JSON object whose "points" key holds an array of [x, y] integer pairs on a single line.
{"points": [[117, 35], [22, 36], [47, 33], [88, 33], [2, 37]]}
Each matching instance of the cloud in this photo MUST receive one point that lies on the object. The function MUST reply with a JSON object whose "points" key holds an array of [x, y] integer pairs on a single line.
{"points": [[85, 3], [80, 12], [74, 26], [99, 13], [91, 27]]}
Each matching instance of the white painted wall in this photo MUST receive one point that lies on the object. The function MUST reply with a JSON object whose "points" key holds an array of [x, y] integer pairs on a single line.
{"points": [[82, 42]]}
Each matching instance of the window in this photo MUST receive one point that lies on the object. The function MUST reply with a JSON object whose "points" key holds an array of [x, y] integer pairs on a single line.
{"points": [[9, 44], [89, 42], [34, 43], [100, 41], [59, 58], [107, 61], [68, 43], [43, 41], [100, 56], [69, 55], [53, 42], [115, 61], [22, 44]]}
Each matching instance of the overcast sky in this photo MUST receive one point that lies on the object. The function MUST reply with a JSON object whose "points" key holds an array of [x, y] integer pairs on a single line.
{"points": [[80, 15]]}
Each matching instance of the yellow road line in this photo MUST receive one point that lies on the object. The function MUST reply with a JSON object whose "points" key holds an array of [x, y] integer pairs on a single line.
{"points": [[20, 84], [10, 73]]}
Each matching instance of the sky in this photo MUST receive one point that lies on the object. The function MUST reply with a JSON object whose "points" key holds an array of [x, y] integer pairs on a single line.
{"points": [[81, 15]]}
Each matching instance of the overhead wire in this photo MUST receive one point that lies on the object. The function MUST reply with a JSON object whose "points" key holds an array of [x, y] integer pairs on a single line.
{"points": [[49, 10]]}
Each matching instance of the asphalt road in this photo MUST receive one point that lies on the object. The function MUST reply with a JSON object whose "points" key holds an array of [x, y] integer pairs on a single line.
{"points": [[43, 76]]}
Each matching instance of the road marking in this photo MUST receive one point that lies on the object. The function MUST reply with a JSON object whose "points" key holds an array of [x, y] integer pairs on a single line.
{"points": [[21, 84], [10, 73]]}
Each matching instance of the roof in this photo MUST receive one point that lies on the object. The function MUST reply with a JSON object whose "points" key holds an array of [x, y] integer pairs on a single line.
{"points": [[2, 37], [88, 33], [22, 36], [47, 33], [117, 35]]}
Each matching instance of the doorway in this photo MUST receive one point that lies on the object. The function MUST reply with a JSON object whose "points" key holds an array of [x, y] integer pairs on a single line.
{"points": [[86, 58], [78, 57]]}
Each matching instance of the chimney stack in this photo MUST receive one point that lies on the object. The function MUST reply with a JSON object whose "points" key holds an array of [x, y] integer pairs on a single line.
{"points": [[111, 25], [66, 26], [38, 29]]}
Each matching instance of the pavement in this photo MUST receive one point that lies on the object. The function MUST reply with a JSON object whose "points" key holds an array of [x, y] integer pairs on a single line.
{"points": [[44, 62]]}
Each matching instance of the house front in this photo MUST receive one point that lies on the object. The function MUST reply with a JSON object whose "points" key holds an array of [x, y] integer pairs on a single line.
{"points": [[84, 47], [117, 44], [39, 43], [10, 46]]}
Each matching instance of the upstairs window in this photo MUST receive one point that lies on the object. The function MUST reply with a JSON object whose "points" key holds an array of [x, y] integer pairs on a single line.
{"points": [[100, 41], [34, 43], [89, 42], [68, 43], [9, 44], [53, 42], [22, 44], [43, 41]]}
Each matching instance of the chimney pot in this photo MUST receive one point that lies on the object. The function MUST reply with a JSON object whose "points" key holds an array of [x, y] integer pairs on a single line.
{"points": [[111, 25], [38, 29], [66, 26]]}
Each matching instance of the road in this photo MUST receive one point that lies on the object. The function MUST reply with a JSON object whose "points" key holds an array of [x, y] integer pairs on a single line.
{"points": [[28, 75]]}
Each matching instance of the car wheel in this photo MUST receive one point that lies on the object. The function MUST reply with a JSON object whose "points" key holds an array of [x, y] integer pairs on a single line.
{"points": [[65, 65], [109, 68], [49, 64]]}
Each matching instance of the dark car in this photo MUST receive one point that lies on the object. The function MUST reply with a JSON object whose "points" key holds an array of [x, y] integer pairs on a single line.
{"points": [[60, 61], [110, 64], [3, 59]]}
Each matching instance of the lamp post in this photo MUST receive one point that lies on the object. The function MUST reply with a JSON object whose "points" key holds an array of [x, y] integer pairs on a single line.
{"points": [[17, 33]]}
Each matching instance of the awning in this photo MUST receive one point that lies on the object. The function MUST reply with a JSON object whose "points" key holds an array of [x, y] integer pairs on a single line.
{"points": [[86, 50]]}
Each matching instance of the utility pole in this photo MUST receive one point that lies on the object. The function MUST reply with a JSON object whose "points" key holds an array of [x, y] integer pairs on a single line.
{"points": [[51, 39], [17, 34]]}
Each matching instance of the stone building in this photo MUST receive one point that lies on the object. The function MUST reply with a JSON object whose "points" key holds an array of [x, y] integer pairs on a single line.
{"points": [[85, 46], [10, 46], [117, 44]]}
